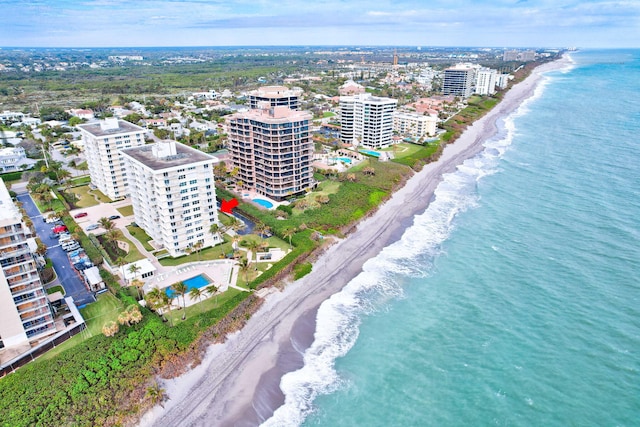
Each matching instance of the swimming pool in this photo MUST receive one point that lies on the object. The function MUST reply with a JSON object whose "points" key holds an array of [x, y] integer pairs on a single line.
{"points": [[370, 153], [341, 159], [264, 203], [199, 281]]}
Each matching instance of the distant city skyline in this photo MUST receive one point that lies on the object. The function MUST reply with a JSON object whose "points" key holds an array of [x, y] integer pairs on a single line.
{"points": [[496, 23]]}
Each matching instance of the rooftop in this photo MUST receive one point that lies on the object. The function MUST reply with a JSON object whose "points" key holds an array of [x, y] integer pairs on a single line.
{"points": [[8, 210], [157, 157], [280, 114], [110, 127]]}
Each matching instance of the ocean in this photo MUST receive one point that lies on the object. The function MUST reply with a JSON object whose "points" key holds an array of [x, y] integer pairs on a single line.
{"points": [[514, 299]]}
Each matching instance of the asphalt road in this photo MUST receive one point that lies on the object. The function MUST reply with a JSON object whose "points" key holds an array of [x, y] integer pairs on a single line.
{"points": [[69, 278]]}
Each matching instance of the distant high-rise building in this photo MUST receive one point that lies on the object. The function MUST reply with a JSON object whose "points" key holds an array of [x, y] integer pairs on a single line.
{"points": [[458, 81], [518, 55], [486, 81], [276, 96], [510, 55], [367, 120], [102, 140], [173, 194], [25, 314], [271, 148]]}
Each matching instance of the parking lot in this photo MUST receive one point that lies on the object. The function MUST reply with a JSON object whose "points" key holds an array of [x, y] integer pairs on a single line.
{"points": [[69, 278]]}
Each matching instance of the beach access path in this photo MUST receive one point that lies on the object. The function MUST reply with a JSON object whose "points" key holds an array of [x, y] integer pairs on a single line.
{"points": [[237, 383]]}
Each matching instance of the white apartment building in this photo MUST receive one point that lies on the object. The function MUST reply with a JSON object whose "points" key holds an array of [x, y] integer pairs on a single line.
{"points": [[413, 124], [367, 120], [276, 96], [486, 81], [172, 191], [102, 140], [459, 80], [25, 314], [272, 149], [502, 80]]}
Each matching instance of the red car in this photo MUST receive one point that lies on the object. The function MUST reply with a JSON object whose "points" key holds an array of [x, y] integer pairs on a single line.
{"points": [[80, 215], [59, 229]]}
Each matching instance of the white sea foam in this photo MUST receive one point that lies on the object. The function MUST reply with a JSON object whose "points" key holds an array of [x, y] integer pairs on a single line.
{"points": [[338, 318]]}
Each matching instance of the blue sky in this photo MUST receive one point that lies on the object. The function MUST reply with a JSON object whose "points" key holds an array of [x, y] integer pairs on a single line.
{"points": [[498, 23]]}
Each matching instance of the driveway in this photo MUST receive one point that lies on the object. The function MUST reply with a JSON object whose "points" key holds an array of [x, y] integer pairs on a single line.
{"points": [[68, 276]]}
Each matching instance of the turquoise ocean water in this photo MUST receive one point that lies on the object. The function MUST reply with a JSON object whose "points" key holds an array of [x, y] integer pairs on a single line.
{"points": [[515, 298]]}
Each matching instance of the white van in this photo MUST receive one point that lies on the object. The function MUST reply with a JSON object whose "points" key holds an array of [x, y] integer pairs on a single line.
{"points": [[64, 238]]}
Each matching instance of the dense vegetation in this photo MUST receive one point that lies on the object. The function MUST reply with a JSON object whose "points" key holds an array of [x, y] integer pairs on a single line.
{"points": [[104, 380]]}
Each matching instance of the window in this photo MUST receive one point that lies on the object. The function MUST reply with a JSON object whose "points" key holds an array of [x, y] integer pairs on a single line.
{"points": [[194, 181]]}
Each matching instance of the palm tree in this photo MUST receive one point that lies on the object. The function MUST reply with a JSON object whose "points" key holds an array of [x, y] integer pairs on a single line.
{"points": [[106, 223], [214, 229], [181, 289], [289, 232], [134, 269], [138, 285], [212, 289], [244, 267], [253, 246], [196, 293], [166, 302], [197, 247], [120, 262], [156, 394], [112, 236], [154, 301]]}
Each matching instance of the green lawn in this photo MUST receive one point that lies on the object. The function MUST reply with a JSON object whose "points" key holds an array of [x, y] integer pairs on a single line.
{"points": [[328, 114], [100, 195], [84, 198], [126, 210], [81, 180], [404, 150], [105, 309], [141, 236], [208, 254], [207, 304]]}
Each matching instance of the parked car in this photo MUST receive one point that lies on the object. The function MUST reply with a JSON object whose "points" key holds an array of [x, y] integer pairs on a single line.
{"points": [[73, 247], [80, 215], [59, 229], [112, 217], [93, 227]]}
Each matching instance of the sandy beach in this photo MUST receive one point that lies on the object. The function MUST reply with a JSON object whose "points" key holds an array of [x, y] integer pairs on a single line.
{"points": [[237, 383]]}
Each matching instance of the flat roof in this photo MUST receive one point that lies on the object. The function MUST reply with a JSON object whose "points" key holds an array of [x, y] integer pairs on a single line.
{"points": [[124, 126], [184, 156]]}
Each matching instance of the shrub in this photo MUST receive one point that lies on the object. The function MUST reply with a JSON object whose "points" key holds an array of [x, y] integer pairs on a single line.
{"points": [[301, 270]]}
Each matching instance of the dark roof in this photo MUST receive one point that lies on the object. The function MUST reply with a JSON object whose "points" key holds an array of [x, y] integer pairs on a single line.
{"points": [[184, 156], [123, 127]]}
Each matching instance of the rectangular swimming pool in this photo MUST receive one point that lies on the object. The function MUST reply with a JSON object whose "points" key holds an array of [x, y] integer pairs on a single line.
{"points": [[199, 281], [370, 153]]}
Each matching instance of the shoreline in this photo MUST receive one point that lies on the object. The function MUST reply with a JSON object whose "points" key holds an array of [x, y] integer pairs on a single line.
{"points": [[237, 383]]}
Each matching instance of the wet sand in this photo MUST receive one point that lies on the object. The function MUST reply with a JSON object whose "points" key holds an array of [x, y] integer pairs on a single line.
{"points": [[237, 383]]}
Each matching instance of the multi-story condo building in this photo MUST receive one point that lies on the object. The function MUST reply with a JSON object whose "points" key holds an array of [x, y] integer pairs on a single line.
{"points": [[102, 140], [458, 81], [502, 80], [367, 120], [272, 149], [173, 194], [276, 96], [486, 81], [414, 124], [25, 315]]}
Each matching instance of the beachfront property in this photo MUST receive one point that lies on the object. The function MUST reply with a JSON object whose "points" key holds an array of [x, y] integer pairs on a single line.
{"points": [[519, 55], [367, 120], [414, 124], [271, 148], [459, 80], [102, 142], [502, 80], [172, 192], [25, 314], [276, 96], [486, 81]]}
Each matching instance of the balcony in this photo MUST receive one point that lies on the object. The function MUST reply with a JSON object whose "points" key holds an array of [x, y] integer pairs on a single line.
{"points": [[34, 314]]}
